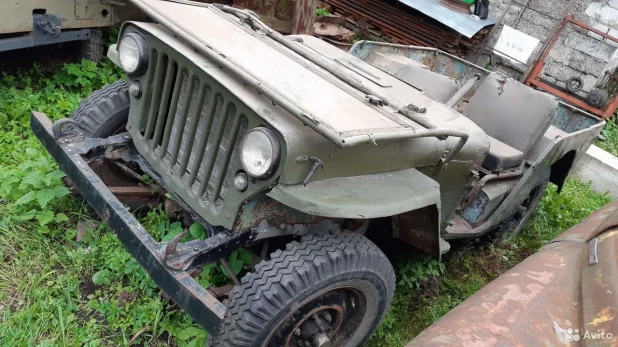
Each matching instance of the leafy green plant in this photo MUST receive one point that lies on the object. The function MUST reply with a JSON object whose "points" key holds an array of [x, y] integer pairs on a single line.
{"points": [[167, 231], [321, 12], [237, 260], [411, 273], [610, 132], [32, 186]]}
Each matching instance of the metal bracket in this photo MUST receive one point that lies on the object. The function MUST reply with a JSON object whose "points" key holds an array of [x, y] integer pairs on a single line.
{"points": [[374, 100], [592, 251], [51, 24], [442, 164], [184, 256], [114, 2], [69, 134], [317, 162]]}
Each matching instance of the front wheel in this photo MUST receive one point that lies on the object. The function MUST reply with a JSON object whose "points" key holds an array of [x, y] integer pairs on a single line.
{"points": [[326, 290], [105, 113]]}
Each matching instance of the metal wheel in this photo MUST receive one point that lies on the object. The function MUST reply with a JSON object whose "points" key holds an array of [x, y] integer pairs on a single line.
{"points": [[326, 290], [597, 98], [574, 84], [329, 319], [514, 225]]}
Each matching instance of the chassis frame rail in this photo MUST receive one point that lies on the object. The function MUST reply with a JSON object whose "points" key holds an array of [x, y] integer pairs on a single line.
{"points": [[201, 305]]}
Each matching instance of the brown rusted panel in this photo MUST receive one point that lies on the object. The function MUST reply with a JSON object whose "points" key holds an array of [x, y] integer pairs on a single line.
{"points": [[519, 308], [275, 13], [544, 299], [304, 17], [600, 288], [418, 228], [274, 212], [400, 24]]}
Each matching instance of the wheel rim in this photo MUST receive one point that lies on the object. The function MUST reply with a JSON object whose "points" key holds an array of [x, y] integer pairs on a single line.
{"points": [[524, 211], [328, 319]]}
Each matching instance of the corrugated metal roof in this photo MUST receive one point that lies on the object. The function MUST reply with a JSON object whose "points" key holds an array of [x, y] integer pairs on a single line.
{"points": [[467, 25]]}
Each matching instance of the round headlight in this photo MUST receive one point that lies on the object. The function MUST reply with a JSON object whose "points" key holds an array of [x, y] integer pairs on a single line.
{"points": [[259, 153], [133, 54]]}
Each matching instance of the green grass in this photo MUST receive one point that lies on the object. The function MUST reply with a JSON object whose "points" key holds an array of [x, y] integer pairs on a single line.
{"points": [[56, 291], [610, 132]]}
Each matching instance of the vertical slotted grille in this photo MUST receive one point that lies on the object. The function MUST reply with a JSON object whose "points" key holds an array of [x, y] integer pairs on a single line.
{"points": [[192, 128]]}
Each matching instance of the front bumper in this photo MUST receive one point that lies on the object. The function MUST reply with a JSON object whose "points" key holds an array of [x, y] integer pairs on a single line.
{"points": [[198, 302]]}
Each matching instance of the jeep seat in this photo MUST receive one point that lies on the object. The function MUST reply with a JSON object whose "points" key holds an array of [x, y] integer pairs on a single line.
{"points": [[436, 86], [513, 115]]}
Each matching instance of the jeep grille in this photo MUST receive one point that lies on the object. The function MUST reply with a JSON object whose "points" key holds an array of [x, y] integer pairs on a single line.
{"points": [[190, 126]]}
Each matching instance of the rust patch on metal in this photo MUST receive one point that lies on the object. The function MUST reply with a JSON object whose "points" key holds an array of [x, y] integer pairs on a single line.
{"points": [[591, 227], [418, 228], [304, 17], [277, 14], [606, 315], [198, 292], [277, 214]]}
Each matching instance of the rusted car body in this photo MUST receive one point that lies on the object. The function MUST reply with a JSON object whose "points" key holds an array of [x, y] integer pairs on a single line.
{"points": [[566, 294]]}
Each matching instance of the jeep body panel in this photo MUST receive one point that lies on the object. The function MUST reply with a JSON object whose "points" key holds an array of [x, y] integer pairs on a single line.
{"points": [[572, 132], [362, 197]]}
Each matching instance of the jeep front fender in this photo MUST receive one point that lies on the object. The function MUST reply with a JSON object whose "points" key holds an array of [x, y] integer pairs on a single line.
{"points": [[386, 194]]}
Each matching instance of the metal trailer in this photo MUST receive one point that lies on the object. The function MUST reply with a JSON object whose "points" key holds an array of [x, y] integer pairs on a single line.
{"points": [[30, 23]]}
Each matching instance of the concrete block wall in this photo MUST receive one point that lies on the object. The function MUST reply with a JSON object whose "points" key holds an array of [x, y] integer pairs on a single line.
{"points": [[578, 52]]}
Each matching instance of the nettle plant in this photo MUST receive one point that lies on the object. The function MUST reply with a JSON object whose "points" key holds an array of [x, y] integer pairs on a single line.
{"points": [[32, 187], [412, 273]]}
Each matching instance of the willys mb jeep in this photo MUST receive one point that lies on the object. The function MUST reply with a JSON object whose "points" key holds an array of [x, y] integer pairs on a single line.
{"points": [[298, 151]]}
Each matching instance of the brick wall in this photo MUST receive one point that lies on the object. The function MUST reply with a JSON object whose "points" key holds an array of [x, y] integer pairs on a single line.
{"points": [[577, 53]]}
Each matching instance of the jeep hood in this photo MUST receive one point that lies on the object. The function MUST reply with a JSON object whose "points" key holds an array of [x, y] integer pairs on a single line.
{"points": [[305, 84]]}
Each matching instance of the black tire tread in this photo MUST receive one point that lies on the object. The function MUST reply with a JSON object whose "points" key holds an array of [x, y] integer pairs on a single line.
{"points": [[95, 110], [258, 296], [92, 49]]}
